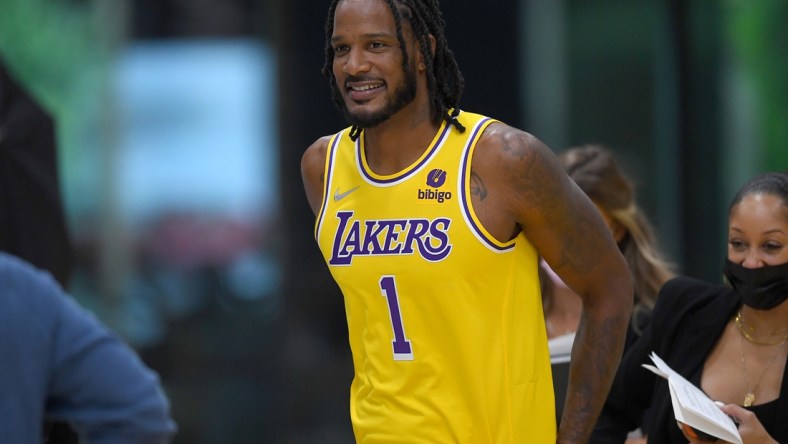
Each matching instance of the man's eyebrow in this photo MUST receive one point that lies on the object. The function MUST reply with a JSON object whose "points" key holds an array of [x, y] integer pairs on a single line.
{"points": [[368, 36]]}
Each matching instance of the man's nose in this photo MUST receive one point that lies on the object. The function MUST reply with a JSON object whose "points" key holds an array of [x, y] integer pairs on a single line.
{"points": [[356, 62]]}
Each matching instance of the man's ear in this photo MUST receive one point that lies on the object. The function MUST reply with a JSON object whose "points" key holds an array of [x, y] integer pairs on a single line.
{"points": [[433, 43]]}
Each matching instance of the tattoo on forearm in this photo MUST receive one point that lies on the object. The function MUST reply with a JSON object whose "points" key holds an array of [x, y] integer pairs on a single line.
{"points": [[477, 186], [599, 353]]}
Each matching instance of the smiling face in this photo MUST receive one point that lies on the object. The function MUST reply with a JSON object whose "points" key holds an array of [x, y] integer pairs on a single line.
{"points": [[368, 62], [758, 231]]}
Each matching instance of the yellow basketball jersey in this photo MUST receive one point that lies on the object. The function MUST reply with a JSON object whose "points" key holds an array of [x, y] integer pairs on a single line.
{"points": [[445, 322]]}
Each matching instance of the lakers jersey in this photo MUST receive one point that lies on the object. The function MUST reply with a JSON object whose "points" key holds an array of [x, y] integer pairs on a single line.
{"points": [[445, 322]]}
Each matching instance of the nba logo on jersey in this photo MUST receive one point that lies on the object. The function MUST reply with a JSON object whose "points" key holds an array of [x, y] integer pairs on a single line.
{"points": [[435, 179]]}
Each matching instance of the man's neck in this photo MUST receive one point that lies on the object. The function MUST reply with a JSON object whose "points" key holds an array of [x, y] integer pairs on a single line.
{"points": [[398, 142]]}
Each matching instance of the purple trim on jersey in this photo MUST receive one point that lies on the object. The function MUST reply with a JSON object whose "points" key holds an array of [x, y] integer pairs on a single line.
{"points": [[465, 199], [406, 173], [327, 190]]}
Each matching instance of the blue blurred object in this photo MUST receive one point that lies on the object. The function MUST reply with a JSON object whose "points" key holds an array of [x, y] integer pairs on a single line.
{"points": [[197, 128]]}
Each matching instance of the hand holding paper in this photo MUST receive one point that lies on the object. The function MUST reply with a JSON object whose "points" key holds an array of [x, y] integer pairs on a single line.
{"points": [[692, 407]]}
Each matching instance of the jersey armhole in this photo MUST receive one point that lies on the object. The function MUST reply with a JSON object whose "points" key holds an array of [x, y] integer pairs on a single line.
{"points": [[328, 169], [464, 186]]}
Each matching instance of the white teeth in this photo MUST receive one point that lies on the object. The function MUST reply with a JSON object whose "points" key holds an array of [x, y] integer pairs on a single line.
{"points": [[363, 88]]}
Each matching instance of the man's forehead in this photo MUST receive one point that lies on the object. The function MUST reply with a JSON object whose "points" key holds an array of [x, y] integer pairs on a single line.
{"points": [[366, 5], [367, 17]]}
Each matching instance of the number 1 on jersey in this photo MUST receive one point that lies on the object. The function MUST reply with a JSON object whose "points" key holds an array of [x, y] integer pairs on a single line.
{"points": [[402, 349]]}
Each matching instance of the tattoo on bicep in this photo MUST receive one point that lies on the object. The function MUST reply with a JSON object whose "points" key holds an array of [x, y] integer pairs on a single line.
{"points": [[535, 178], [477, 186], [582, 248]]}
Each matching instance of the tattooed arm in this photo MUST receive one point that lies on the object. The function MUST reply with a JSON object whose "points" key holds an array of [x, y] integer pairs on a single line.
{"points": [[313, 164], [519, 185]]}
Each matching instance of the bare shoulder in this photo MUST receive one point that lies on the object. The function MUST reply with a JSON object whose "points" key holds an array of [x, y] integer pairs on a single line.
{"points": [[316, 152], [525, 180], [313, 164], [499, 134], [522, 167]]}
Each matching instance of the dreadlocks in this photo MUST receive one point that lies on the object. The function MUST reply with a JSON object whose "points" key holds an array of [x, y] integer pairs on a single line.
{"points": [[444, 80]]}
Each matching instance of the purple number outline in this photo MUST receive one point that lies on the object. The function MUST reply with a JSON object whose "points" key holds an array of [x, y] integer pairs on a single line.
{"points": [[400, 344]]}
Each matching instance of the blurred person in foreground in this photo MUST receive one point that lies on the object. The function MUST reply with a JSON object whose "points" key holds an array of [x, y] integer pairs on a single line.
{"points": [[431, 220], [32, 220], [61, 364], [729, 340]]}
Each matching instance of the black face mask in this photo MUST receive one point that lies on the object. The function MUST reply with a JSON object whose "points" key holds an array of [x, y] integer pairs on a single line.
{"points": [[760, 288]]}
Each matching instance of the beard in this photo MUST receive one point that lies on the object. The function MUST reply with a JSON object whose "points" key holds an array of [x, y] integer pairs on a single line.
{"points": [[404, 94]]}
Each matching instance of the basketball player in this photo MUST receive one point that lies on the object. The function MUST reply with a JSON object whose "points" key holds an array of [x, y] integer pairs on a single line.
{"points": [[431, 220]]}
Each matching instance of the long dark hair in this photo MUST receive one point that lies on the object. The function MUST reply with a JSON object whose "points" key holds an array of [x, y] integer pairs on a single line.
{"points": [[444, 79]]}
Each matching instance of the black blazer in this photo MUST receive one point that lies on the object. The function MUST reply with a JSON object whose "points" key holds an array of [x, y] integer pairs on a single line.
{"points": [[688, 319]]}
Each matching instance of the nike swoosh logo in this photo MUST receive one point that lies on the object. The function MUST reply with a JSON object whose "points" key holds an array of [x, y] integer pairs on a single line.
{"points": [[340, 196]]}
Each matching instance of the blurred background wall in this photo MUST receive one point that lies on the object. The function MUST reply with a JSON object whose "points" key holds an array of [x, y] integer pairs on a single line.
{"points": [[180, 127]]}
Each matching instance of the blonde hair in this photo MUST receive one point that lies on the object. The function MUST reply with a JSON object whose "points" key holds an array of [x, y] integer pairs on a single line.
{"points": [[595, 171]]}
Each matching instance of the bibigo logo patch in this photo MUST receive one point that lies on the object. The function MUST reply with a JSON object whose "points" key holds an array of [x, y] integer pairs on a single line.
{"points": [[435, 179]]}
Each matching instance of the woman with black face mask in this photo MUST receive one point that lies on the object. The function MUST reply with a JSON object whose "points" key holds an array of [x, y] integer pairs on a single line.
{"points": [[731, 340]]}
